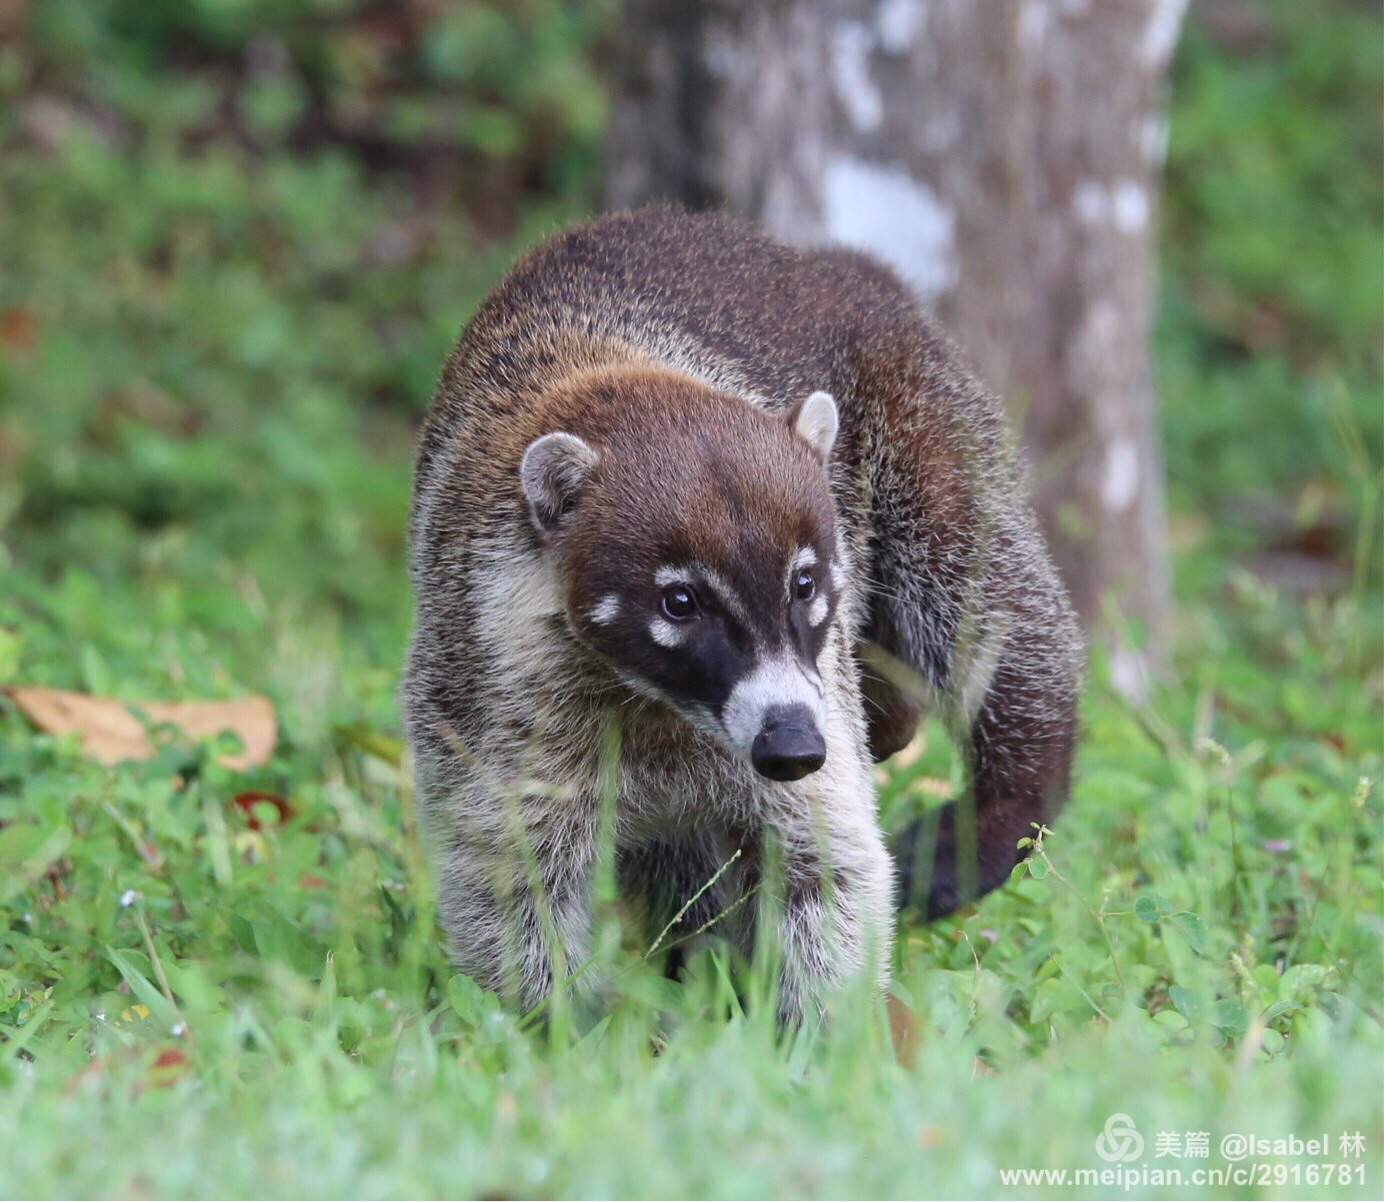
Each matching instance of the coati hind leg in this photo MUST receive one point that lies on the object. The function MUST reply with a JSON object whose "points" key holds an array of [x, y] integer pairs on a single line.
{"points": [[968, 611], [892, 711]]}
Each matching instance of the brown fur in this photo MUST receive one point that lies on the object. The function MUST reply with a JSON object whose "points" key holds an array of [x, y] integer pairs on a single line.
{"points": [[675, 344]]}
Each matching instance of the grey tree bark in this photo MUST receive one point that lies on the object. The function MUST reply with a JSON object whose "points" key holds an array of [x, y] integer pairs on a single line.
{"points": [[1004, 156]]}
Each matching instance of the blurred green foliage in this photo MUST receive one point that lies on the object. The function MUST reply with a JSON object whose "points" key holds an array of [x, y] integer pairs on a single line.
{"points": [[503, 89], [1273, 245], [219, 323], [236, 240]]}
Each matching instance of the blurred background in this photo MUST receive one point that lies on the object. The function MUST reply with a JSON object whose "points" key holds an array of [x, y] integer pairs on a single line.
{"points": [[238, 237]]}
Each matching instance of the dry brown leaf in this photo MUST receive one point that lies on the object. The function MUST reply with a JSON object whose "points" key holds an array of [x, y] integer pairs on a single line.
{"points": [[18, 330], [111, 732], [248, 799], [903, 1029]]}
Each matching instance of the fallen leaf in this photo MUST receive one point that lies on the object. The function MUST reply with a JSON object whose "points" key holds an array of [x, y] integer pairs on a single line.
{"points": [[111, 732], [162, 1068], [18, 331], [13, 15], [169, 1065], [903, 1027], [910, 754], [247, 800]]}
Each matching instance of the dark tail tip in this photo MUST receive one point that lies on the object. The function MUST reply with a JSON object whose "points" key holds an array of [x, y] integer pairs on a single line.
{"points": [[939, 872]]}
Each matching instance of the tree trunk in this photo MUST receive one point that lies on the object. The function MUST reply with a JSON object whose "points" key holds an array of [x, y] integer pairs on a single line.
{"points": [[1004, 157]]}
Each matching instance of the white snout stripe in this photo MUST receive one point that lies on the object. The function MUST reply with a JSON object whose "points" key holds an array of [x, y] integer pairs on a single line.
{"points": [[781, 681]]}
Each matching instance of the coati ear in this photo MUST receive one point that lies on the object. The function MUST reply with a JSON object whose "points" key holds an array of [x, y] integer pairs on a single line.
{"points": [[814, 420], [553, 471]]}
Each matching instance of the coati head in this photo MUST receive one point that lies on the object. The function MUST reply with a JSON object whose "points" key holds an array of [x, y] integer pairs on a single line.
{"points": [[696, 540]]}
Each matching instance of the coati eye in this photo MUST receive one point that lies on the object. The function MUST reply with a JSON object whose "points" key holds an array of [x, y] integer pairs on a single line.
{"points": [[804, 586], [679, 603]]}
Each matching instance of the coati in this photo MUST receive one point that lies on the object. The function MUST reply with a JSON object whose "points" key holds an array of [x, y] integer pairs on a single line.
{"points": [[700, 523]]}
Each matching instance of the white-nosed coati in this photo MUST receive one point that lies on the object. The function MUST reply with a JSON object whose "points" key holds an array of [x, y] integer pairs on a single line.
{"points": [[739, 504]]}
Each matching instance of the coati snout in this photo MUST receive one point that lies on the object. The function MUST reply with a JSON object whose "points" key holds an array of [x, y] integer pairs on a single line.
{"points": [[697, 553], [789, 746]]}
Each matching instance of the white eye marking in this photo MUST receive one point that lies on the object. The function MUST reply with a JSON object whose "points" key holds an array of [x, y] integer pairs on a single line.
{"points": [[664, 633], [782, 681], [713, 580], [803, 558], [726, 592], [817, 612], [606, 610], [670, 574]]}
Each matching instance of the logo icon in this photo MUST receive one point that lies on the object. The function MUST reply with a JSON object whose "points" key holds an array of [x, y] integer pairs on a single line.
{"points": [[1120, 1141]]}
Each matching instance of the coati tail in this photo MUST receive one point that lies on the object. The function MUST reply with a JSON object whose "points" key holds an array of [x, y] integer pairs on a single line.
{"points": [[1018, 742], [966, 615]]}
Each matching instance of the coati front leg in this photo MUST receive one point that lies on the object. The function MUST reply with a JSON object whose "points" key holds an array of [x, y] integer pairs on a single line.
{"points": [[515, 896], [838, 882]]}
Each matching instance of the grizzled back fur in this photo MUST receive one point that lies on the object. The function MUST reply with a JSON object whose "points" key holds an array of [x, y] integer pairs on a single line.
{"points": [[632, 501]]}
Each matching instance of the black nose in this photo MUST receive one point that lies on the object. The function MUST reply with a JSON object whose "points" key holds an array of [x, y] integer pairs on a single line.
{"points": [[789, 746]]}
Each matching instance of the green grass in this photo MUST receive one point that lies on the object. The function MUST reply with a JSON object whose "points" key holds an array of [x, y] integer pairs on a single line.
{"points": [[211, 354]]}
